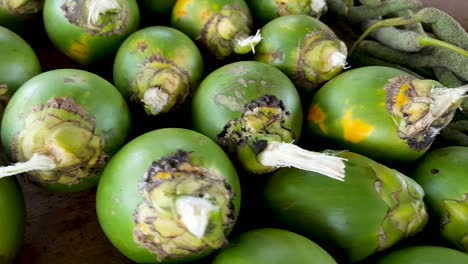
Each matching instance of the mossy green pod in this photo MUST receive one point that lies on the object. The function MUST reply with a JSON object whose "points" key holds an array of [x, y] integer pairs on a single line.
{"points": [[167, 196], [272, 246], [220, 26], [443, 174], [304, 48], [264, 11], [62, 126], [424, 255], [13, 215], [157, 68], [90, 31], [373, 209], [382, 113]]}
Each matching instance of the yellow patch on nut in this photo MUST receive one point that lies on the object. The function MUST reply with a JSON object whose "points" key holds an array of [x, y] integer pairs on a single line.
{"points": [[317, 116], [355, 130]]}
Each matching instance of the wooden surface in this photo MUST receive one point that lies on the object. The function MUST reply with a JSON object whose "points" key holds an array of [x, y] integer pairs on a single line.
{"points": [[63, 228]]}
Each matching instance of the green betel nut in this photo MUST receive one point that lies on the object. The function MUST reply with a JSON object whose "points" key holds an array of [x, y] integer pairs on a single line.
{"points": [[64, 132], [186, 209]]}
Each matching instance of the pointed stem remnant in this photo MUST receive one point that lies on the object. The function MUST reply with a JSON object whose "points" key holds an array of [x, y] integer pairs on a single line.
{"points": [[194, 213], [245, 45], [37, 162], [278, 154]]}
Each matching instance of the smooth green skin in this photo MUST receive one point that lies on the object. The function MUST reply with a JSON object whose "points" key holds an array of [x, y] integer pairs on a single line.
{"points": [[170, 43], [190, 16], [93, 93], [449, 183], [19, 61], [12, 219], [118, 195], [243, 81], [362, 91], [272, 246], [343, 216], [64, 35], [282, 37], [424, 255]]}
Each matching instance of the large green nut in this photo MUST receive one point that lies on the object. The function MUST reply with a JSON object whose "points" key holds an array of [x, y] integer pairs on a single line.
{"points": [[169, 195], [443, 175], [13, 215], [91, 30], [74, 117], [373, 209], [384, 113], [244, 105], [272, 246], [158, 68]]}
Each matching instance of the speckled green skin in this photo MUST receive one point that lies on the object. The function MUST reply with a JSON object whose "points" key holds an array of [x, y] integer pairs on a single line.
{"points": [[76, 42], [93, 93], [19, 62], [12, 219], [443, 175], [118, 194], [272, 246], [373, 209], [424, 255], [222, 95]]}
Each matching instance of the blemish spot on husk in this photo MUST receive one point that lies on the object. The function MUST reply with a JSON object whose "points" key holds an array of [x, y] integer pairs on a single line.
{"points": [[355, 130], [317, 116], [98, 17], [159, 228], [234, 98], [65, 132]]}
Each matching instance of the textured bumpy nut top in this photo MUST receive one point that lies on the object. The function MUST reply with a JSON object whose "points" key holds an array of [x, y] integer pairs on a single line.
{"points": [[185, 209]]}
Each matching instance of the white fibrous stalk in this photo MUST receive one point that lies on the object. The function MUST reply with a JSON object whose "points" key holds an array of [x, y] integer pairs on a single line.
{"points": [[251, 41], [155, 99], [37, 162], [317, 5], [283, 154]]}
